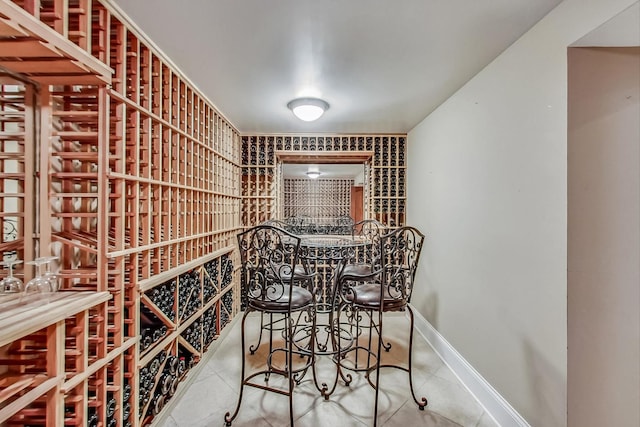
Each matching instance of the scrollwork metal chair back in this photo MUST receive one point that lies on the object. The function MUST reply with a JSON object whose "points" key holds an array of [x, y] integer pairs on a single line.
{"points": [[268, 256], [400, 250], [369, 229]]}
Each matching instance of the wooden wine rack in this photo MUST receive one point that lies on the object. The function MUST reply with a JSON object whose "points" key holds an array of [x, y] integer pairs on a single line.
{"points": [[16, 173], [112, 161], [385, 172], [131, 178], [324, 200], [50, 352]]}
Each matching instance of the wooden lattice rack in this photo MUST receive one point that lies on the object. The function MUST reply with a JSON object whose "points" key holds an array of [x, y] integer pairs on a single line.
{"points": [[323, 200], [112, 161], [53, 362], [384, 165]]}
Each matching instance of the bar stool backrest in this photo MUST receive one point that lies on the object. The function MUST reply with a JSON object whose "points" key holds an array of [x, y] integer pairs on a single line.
{"points": [[400, 251], [268, 256], [370, 230]]}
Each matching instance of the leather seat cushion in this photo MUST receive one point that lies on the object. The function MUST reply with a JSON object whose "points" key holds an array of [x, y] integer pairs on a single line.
{"points": [[367, 295], [300, 297]]}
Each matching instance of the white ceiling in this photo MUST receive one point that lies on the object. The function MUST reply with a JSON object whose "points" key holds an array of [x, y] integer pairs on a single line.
{"points": [[623, 30], [382, 65]]}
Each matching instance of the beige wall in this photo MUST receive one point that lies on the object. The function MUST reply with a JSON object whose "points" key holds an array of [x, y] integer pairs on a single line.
{"points": [[604, 237], [487, 183]]}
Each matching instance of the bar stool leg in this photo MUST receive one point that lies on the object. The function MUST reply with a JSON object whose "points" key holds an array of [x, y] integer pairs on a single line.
{"points": [[377, 386], [228, 418], [422, 402]]}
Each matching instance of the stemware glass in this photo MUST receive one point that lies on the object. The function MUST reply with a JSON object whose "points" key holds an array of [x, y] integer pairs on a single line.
{"points": [[50, 275], [39, 283], [11, 284]]}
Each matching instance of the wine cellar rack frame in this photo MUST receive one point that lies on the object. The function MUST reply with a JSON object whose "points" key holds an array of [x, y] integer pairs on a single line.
{"points": [[114, 162], [385, 171], [49, 348], [324, 200]]}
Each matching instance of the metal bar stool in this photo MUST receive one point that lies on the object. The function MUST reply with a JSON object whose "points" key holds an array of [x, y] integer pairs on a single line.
{"points": [[386, 288], [269, 256]]}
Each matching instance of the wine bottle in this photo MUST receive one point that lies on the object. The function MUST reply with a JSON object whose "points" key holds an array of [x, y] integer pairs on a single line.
{"points": [[111, 407], [165, 383], [126, 392], [93, 421], [126, 411], [157, 404]]}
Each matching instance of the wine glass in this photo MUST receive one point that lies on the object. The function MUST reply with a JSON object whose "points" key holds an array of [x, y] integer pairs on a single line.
{"points": [[40, 283], [50, 275], [11, 284]]}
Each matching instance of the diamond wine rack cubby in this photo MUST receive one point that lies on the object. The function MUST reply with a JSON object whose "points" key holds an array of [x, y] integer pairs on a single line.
{"points": [[113, 162]]}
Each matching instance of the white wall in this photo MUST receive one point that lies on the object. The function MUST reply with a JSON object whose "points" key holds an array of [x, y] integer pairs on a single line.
{"points": [[487, 183], [604, 237]]}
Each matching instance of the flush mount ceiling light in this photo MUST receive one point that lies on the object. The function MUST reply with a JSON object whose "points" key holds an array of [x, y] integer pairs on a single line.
{"points": [[313, 174], [308, 109]]}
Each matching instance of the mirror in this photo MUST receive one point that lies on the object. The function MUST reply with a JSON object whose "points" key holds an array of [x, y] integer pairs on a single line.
{"points": [[337, 192]]}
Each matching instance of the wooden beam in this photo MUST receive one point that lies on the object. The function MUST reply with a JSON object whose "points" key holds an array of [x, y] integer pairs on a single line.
{"points": [[24, 314], [44, 222], [55, 368], [9, 29], [27, 48], [336, 157], [30, 159], [45, 67]]}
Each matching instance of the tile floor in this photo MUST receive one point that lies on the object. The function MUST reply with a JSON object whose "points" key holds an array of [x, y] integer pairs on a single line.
{"points": [[215, 388]]}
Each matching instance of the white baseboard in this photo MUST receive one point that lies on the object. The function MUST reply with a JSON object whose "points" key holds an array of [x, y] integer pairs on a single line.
{"points": [[501, 411]]}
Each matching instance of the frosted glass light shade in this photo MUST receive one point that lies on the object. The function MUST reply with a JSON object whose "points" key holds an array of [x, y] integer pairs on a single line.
{"points": [[308, 109], [313, 174]]}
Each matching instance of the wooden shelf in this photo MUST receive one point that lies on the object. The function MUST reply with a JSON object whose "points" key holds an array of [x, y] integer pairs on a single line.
{"points": [[22, 315], [309, 156], [44, 56], [42, 323]]}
